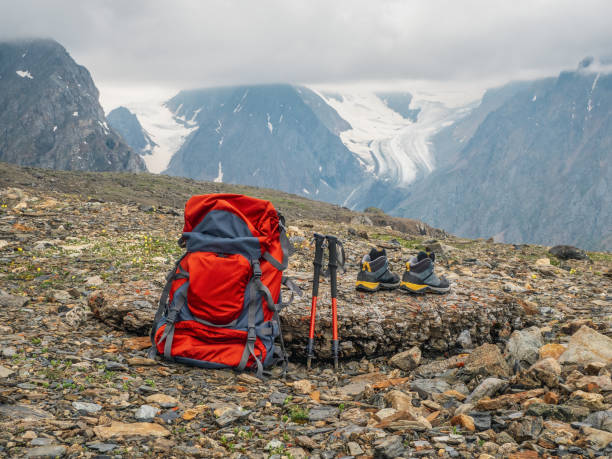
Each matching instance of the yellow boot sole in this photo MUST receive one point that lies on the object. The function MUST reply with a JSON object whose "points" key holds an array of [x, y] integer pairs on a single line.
{"points": [[421, 288], [367, 286]]}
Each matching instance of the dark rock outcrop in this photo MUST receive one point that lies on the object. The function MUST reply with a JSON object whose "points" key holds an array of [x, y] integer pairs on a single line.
{"points": [[364, 330], [567, 252], [50, 115], [126, 123]]}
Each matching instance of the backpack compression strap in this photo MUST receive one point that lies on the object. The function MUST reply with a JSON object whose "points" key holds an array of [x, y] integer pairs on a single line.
{"points": [[256, 285]]}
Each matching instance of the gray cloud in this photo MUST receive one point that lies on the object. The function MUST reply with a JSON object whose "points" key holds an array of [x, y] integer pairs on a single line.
{"points": [[201, 43]]}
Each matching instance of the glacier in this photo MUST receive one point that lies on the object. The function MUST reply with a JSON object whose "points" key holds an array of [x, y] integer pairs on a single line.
{"points": [[165, 129], [389, 146]]}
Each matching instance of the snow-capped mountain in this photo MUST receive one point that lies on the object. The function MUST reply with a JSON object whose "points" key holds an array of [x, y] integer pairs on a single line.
{"points": [[506, 164], [352, 147], [275, 136], [533, 164]]}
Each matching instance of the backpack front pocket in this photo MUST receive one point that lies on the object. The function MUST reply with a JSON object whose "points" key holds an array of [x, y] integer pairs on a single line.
{"points": [[217, 286]]}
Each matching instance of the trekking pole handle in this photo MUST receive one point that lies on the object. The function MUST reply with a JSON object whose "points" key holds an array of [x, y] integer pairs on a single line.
{"points": [[332, 242], [319, 240]]}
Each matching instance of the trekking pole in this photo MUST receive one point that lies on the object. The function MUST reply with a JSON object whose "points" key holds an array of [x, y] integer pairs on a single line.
{"points": [[318, 262], [332, 242]]}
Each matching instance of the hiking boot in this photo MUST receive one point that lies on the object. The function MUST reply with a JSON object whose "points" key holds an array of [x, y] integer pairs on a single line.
{"points": [[419, 276], [375, 274]]}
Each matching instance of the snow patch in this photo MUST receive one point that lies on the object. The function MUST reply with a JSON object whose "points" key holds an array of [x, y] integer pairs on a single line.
{"points": [[590, 102], [54, 128], [534, 98], [182, 118], [270, 127], [595, 82], [219, 178], [348, 198], [104, 126], [24, 74], [304, 190], [75, 113], [195, 114]]}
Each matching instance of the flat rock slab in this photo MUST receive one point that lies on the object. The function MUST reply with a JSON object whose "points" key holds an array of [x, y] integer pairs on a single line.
{"points": [[24, 413], [46, 451], [12, 301], [135, 429], [5, 372], [587, 345], [368, 324]]}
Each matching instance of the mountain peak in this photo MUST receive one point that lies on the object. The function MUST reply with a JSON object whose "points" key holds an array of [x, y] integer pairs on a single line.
{"points": [[50, 113]]}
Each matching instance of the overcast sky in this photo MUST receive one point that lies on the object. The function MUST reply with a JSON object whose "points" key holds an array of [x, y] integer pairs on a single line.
{"points": [[181, 44]]}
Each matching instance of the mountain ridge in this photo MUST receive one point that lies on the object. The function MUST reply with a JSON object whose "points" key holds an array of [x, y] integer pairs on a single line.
{"points": [[537, 169], [166, 193], [265, 135]]}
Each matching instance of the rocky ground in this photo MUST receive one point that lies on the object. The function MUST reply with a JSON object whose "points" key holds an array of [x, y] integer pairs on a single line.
{"points": [[514, 362]]}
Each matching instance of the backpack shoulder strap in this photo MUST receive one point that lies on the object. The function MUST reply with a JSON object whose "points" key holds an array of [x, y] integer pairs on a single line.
{"points": [[163, 299]]}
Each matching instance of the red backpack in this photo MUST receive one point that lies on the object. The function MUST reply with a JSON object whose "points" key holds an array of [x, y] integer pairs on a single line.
{"points": [[220, 305]]}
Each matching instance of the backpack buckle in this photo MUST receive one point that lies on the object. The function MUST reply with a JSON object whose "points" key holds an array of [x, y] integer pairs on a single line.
{"points": [[172, 316], [256, 269], [252, 335]]}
